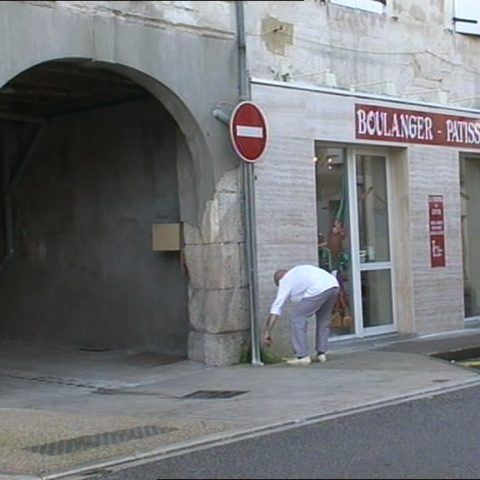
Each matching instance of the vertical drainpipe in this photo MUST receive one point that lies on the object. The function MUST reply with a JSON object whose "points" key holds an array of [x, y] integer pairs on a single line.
{"points": [[248, 188]]}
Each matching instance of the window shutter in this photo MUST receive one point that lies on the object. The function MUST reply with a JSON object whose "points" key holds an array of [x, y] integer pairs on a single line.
{"points": [[374, 6], [467, 16]]}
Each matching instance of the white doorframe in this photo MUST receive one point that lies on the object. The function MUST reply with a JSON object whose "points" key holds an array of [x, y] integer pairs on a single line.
{"points": [[357, 266]]}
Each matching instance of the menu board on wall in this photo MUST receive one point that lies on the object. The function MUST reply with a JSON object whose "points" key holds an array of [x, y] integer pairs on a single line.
{"points": [[437, 230]]}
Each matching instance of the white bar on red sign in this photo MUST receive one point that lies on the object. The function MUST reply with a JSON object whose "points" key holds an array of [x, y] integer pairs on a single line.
{"points": [[252, 132]]}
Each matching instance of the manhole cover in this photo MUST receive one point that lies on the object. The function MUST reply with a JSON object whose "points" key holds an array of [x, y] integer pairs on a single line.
{"points": [[93, 349], [213, 394], [86, 442]]}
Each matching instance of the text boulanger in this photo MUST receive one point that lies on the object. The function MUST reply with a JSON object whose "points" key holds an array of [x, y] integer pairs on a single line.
{"points": [[398, 125], [411, 126]]}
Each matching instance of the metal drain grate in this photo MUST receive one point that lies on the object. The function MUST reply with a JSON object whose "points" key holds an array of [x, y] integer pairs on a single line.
{"points": [[214, 394], [86, 442]]}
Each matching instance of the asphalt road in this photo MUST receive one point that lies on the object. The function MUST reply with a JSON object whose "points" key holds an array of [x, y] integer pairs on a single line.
{"points": [[434, 437]]}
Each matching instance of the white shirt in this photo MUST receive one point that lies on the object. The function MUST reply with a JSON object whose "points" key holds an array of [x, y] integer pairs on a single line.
{"points": [[300, 282]]}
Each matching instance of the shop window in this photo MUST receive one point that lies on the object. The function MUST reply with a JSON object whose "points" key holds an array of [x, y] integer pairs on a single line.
{"points": [[374, 6], [467, 16], [333, 231], [470, 222]]}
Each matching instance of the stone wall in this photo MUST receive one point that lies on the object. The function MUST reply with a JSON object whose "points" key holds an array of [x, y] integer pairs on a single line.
{"points": [[218, 292], [411, 51]]}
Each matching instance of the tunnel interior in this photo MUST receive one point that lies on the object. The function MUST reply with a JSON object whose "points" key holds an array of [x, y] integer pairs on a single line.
{"points": [[89, 164]]}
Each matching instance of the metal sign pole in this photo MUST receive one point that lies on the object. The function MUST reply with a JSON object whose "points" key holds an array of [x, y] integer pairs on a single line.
{"points": [[248, 188], [251, 242]]}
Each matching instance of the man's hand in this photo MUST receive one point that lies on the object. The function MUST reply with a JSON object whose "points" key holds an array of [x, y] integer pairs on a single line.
{"points": [[271, 320]]}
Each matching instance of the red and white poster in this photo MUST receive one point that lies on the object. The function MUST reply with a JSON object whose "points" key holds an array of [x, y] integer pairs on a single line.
{"points": [[437, 230]]}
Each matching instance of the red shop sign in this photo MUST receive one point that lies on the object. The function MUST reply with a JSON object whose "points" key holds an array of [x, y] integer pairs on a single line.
{"points": [[437, 230], [412, 126]]}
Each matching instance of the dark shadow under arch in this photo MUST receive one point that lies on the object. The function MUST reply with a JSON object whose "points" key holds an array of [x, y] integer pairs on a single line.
{"points": [[59, 289]]}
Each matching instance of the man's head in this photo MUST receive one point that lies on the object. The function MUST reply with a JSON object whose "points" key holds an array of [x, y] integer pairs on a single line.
{"points": [[278, 275]]}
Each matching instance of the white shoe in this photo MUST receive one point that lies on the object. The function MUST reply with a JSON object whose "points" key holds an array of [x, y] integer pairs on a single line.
{"points": [[302, 361], [322, 358]]}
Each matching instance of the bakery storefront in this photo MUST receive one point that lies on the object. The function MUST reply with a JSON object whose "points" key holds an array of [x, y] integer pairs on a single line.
{"points": [[396, 189]]}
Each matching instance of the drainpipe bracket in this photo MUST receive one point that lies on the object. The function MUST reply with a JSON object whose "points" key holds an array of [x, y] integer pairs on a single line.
{"points": [[221, 116]]}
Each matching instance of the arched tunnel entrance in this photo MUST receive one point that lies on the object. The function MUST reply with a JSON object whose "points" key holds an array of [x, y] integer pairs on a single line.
{"points": [[89, 164]]}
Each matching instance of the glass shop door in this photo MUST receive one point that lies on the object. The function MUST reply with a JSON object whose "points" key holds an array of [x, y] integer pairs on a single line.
{"points": [[353, 214], [371, 241]]}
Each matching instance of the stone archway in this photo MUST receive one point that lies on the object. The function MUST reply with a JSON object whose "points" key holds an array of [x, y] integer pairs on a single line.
{"points": [[102, 173], [210, 191]]}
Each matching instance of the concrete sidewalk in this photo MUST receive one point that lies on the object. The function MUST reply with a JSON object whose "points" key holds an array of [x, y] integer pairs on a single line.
{"points": [[64, 411]]}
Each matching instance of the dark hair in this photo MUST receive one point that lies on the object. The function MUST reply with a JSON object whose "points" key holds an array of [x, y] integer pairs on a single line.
{"points": [[278, 275]]}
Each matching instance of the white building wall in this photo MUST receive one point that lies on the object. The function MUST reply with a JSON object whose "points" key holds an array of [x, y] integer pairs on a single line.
{"points": [[431, 298], [438, 292]]}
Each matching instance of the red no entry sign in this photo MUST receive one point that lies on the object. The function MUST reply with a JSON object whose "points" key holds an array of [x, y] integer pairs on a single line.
{"points": [[248, 131]]}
